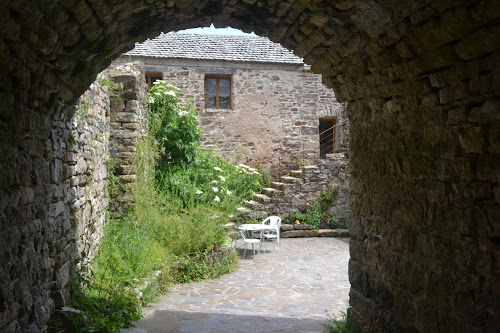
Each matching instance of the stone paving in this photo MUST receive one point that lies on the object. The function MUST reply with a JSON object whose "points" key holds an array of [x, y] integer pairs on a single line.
{"points": [[294, 289]]}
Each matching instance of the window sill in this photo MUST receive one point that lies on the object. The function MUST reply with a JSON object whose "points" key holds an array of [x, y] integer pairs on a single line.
{"points": [[218, 110]]}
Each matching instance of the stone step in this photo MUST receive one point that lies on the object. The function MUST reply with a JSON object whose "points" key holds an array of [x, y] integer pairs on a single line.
{"points": [[337, 233], [278, 186], [252, 204], [296, 173], [271, 192], [281, 186], [310, 167], [291, 180], [258, 214], [230, 226], [262, 198]]}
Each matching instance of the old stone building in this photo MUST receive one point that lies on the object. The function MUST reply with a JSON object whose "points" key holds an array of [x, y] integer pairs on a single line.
{"points": [[257, 102], [421, 79]]}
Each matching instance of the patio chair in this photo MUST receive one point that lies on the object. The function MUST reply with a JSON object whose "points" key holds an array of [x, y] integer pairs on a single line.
{"points": [[274, 233], [251, 237]]}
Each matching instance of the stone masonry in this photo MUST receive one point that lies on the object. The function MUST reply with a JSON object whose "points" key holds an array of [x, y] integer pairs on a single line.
{"points": [[128, 124], [421, 79], [86, 140], [274, 116], [299, 189]]}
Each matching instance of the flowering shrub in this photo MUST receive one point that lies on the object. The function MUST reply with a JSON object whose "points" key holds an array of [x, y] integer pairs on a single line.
{"points": [[209, 180], [174, 127]]}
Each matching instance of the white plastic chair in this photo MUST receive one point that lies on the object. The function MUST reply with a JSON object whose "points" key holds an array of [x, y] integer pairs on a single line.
{"points": [[275, 225], [250, 237]]}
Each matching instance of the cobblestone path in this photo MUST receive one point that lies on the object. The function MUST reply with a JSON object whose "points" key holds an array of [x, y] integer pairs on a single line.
{"points": [[290, 290]]}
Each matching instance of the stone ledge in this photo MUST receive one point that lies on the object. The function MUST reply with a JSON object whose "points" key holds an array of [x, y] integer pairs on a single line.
{"points": [[337, 233]]}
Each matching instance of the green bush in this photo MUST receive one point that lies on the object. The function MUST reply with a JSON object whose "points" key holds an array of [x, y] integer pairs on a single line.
{"points": [[314, 215], [174, 127], [342, 325]]}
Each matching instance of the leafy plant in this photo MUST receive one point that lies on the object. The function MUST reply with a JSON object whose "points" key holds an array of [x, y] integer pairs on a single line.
{"points": [[299, 162], [112, 177], [333, 222], [173, 127], [342, 325], [314, 215], [111, 86], [345, 222]]}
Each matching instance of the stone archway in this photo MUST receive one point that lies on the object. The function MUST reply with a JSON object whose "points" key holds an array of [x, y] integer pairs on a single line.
{"points": [[421, 79]]}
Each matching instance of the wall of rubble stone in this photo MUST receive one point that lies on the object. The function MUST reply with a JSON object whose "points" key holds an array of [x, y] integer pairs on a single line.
{"points": [[66, 189], [421, 82], [329, 177], [82, 138], [84, 168], [275, 111], [128, 124]]}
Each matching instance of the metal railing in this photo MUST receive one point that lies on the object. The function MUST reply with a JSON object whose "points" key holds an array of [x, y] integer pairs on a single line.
{"points": [[330, 144]]}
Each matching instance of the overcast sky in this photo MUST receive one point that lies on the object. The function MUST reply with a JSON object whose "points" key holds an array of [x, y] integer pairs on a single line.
{"points": [[215, 31]]}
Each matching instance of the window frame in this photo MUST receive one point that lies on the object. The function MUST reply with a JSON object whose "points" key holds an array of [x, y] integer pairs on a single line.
{"points": [[148, 77], [218, 77]]}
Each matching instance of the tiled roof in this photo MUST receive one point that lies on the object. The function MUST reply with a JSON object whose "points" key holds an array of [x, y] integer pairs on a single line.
{"points": [[214, 47]]}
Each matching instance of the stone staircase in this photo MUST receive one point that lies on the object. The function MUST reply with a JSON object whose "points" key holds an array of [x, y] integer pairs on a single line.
{"points": [[298, 189], [259, 206]]}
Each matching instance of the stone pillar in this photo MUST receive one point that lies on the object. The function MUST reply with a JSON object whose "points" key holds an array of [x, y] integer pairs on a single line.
{"points": [[129, 123]]}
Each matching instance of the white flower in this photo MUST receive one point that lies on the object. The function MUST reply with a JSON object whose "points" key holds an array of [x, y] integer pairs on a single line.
{"points": [[251, 169], [217, 168], [157, 94], [222, 178], [216, 198], [183, 113], [158, 82], [229, 192], [256, 172], [173, 87], [199, 192], [215, 189], [171, 93], [214, 181], [243, 166]]}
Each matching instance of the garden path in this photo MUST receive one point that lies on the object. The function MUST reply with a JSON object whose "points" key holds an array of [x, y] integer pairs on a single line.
{"points": [[291, 290]]}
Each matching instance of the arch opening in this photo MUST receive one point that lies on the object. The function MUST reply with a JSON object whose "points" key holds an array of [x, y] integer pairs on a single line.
{"points": [[420, 79]]}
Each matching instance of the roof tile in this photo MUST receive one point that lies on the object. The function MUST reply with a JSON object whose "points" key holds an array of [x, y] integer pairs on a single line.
{"points": [[214, 47]]}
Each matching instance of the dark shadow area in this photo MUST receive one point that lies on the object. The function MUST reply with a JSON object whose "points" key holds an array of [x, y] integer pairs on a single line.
{"points": [[184, 321]]}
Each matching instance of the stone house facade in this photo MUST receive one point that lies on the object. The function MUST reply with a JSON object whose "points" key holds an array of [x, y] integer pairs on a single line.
{"points": [[257, 102]]}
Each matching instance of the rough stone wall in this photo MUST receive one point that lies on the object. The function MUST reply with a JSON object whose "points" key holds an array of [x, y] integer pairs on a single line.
{"points": [[84, 169], [425, 172], [274, 117], [330, 175], [421, 79], [80, 145], [67, 200], [128, 124]]}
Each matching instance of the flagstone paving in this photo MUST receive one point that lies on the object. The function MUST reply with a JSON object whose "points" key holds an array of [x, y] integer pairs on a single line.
{"points": [[294, 289]]}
